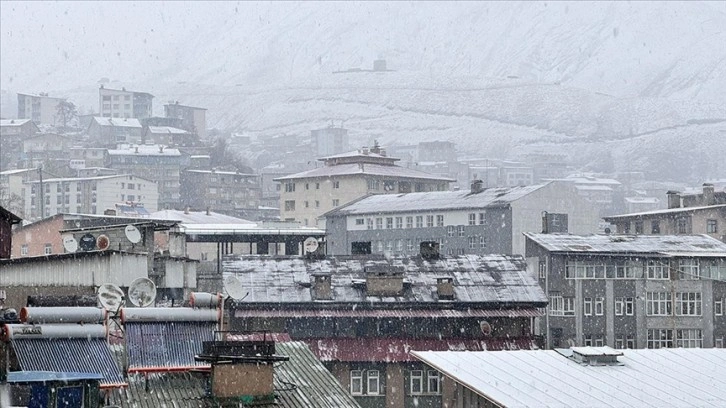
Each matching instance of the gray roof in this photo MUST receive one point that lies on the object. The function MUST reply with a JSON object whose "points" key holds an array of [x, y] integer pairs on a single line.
{"points": [[301, 382], [477, 279], [689, 245], [13, 122], [144, 150], [435, 200], [198, 217], [118, 122], [547, 378], [364, 169]]}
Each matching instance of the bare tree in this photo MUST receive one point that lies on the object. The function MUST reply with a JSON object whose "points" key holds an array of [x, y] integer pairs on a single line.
{"points": [[11, 202], [67, 111]]}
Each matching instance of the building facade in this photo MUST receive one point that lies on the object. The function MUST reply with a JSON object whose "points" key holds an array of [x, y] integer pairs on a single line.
{"points": [[305, 196], [41, 108], [329, 141], [219, 190], [362, 316], [159, 164], [88, 195], [477, 221], [111, 131], [631, 291], [120, 103], [193, 120]]}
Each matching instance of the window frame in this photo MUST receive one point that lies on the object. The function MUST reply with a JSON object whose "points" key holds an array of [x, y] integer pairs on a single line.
{"points": [[356, 376], [416, 375], [373, 377]]}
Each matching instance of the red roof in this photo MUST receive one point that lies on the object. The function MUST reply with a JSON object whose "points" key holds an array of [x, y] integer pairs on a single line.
{"points": [[397, 350], [404, 313]]}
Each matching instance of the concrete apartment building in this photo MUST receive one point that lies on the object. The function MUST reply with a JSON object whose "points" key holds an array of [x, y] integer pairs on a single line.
{"points": [[120, 103], [702, 213], [631, 291], [12, 134], [476, 221], [305, 196], [87, 195], [111, 131], [40, 108], [159, 164], [219, 190], [193, 119], [329, 141]]}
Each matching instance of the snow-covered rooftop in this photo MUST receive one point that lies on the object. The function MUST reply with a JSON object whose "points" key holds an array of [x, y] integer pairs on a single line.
{"points": [[435, 200], [167, 130], [548, 378], [144, 150], [363, 169], [666, 211], [634, 244], [119, 122], [198, 217], [13, 122]]}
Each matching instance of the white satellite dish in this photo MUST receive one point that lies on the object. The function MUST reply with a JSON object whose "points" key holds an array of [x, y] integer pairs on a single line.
{"points": [[310, 245], [132, 234], [70, 243], [111, 297], [234, 288], [142, 292]]}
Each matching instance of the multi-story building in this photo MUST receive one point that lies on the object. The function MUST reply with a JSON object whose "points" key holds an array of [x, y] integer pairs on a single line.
{"points": [[703, 213], [169, 136], [329, 141], [115, 103], [219, 190], [305, 196], [362, 316], [12, 134], [631, 291], [156, 162], [12, 188], [476, 221], [111, 131], [41, 108], [193, 119], [88, 195], [87, 157], [607, 193]]}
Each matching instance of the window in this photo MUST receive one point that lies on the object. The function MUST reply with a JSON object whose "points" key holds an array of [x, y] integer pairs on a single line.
{"points": [[711, 226], [682, 226], [588, 340], [434, 382], [389, 222], [450, 230], [307, 204], [373, 184], [380, 246], [562, 306], [416, 382], [599, 342], [24, 250], [379, 223], [658, 304], [599, 306], [409, 222], [373, 382], [481, 218], [461, 230], [718, 342], [718, 307], [620, 343], [356, 382], [48, 249], [409, 245], [399, 222], [370, 223], [429, 221], [655, 227], [358, 221], [439, 220], [290, 205], [419, 221], [399, 245], [658, 270], [688, 304], [483, 242], [688, 269], [336, 184], [317, 186], [660, 338], [587, 310], [638, 227], [472, 242], [131, 186], [630, 342], [619, 306], [289, 187], [336, 202], [689, 338], [472, 219], [542, 269], [317, 204]]}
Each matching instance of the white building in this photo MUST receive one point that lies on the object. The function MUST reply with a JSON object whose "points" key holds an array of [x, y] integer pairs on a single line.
{"points": [[41, 108], [87, 195]]}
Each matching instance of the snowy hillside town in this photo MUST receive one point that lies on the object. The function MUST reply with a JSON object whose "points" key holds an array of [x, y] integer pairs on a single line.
{"points": [[372, 205]]}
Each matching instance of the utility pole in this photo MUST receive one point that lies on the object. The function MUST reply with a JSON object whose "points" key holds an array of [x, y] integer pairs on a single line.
{"points": [[42, 192]]}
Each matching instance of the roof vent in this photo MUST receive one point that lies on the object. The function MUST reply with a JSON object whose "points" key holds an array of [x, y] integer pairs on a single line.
{"points": [[321, 288], [445, 288], [429, 250], [384, 280], [594, 356], [477, 186]]}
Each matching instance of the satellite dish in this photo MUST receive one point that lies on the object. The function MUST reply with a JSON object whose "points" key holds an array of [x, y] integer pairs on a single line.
{"points": [[87, 242], [234, 288], [111, 297], [70, 243], [310, 245], [485, 327], [102, 242], [132, 234], [142, 292]]}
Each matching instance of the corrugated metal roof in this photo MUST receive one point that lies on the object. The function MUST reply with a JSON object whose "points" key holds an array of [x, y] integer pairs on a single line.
{"points": [[198, 217], [476, 278], [69, 355], [349, 169], [163, 345], [435, 200], [395, 313], [545, 378], [637, 244], [398, 350], [301, 382]]}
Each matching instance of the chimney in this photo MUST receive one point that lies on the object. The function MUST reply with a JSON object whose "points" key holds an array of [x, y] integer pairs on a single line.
{"points": [[384, 280], [161, 148], [429, 250], [321, 289], [674, 199], [242, 370], [383, 152], [709, 198], [365, 150], [208, 211], [186, 210], [477, 186], [445, 288]]}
